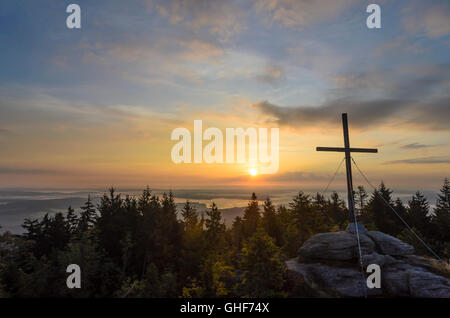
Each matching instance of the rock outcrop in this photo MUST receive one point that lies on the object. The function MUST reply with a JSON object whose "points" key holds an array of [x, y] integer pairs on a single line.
{"points": [[328, 266], [390, 245], [335, 246]]}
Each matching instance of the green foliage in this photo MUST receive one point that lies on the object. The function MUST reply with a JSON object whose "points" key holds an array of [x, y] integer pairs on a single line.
{"points": [[311, 216], [87, 217], [263, 268], [152, 285], [380, 214], [138, 247], [190, 216], [338, 211], [418, 213], [361, 199], [72, 221], [216, 277], [251, 218], [214, 228], [271, 222], [441, 220], [193, 245], [291, 240]]}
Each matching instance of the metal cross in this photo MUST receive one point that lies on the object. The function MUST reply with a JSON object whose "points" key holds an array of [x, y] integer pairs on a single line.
{"points": [[348, 150]]}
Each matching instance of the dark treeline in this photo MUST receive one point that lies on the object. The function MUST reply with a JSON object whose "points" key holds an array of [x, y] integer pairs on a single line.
{"points": [[140, 247]]}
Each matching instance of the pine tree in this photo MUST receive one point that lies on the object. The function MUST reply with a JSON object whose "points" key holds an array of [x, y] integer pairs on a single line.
{"points": [[190, 215], [338, 210], [418, 213], [72, 220], [284, 215], [270, 222], [148, 206], [192, 245], [292, 240], [284, 219], [441, 220], [168, 234], [251, 217], [33, 229], [214, 227], [443, 200], [216, 278], [44, 241], [60, 234], [320, 204], [263, 268], [361, 198], [87, 216], [237, 233], [303, 216], [401, 209], [384, 218], [322, 220], [110, 225]]}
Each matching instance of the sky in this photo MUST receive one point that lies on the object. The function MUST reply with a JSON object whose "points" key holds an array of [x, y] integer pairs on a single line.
{"points": [[96, 106]]}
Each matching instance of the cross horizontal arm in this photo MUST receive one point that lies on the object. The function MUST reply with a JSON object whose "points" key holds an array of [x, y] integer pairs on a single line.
{"points": [[338, 149]]}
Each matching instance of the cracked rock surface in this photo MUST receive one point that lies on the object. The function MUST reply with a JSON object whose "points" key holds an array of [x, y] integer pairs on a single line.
{"points": [[328, 265]]}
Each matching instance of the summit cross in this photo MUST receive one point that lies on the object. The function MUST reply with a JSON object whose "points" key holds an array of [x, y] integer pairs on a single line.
{"points": [[348, 165]]}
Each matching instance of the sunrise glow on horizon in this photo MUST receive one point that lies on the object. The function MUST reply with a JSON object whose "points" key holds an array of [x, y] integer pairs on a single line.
{"points": [[96, 107]]}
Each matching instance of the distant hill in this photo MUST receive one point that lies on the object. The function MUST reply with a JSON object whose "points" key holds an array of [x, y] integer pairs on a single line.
{"points": [[228, 214], [13, 212]]}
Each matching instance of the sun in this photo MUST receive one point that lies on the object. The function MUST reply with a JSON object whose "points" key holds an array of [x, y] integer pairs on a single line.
{"points": [[253, 171]]}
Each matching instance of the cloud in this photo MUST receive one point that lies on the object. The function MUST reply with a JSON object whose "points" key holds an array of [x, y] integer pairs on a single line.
{"points": [[423, 160], [408, 82], [30, 106], [197, 50], [402, 43], [162, 49], [433, 21], [295, 176], [434, 115], [36, 115], [271, 74], [301, 13], [418, 98], [162, 60], [363, 113], [218, 17], [318, 56], [415, 145], [28, 171]]}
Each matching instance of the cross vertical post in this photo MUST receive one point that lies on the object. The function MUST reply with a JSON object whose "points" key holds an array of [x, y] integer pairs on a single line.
{"points": [[348, 164], [348, 168]]}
